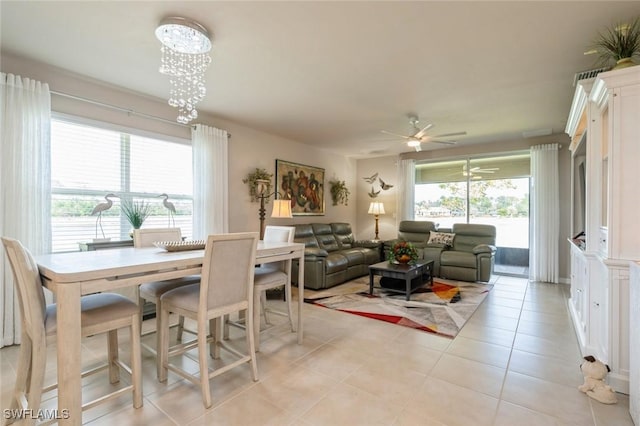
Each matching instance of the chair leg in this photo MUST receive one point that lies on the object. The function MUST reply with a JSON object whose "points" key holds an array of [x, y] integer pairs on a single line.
{"points": [[257, 304], [251, 343], [263, 306], [23, 375], [287, 291], [180, 327], [225, 327], [112, 348], [203, 361], [38, 363], [162, 328], [136, 361], [213, 332]]}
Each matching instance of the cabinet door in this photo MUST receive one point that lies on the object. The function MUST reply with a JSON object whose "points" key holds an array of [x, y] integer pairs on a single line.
{"points": [[599, 312]]}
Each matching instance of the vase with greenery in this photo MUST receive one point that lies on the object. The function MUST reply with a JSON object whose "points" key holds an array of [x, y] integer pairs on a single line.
{"points": [[136, 212], [620, 44], [252, 179], [339, 192], [402, 252]]}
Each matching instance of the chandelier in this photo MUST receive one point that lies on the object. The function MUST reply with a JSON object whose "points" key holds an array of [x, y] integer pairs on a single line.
{"points": [[185, 58]]}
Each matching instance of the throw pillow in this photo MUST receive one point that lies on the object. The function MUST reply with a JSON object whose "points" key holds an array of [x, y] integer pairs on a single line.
{"points": [[444, 238]]}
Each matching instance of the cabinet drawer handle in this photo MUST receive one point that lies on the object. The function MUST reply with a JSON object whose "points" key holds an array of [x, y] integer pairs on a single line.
{"points": [[596, 304]]}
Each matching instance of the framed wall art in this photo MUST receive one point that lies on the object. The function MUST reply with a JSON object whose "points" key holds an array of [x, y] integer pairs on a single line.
{"points": [[303, 185]]}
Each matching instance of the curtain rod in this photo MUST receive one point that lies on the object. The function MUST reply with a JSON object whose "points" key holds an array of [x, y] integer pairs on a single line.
{"points": [[125, 110]]}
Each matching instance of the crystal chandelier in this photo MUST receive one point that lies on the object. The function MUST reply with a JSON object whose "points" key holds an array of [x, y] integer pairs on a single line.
{"points": [[185, 47]]}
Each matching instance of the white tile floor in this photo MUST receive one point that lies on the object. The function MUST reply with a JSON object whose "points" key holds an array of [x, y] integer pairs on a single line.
{"points": [[514, 363]]}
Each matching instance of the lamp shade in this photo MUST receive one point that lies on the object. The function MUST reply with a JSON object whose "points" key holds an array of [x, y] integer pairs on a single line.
{"points": [[376, 208], [281, 209]]}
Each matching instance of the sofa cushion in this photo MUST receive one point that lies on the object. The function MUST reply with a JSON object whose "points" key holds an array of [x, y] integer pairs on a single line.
{"points": [[417, 232], [460, 259], [304, 234], [325, 237], [343, 234], [469, 235], [443, 238], [354, 256], [336, 262]]}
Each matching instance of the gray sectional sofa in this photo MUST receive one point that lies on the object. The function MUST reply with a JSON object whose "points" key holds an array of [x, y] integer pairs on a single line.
{"points": [[332, 256], [469, 257]]}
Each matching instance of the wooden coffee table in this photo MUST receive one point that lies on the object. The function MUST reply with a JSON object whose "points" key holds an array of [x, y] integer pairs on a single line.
{"points": [[404, 272]]}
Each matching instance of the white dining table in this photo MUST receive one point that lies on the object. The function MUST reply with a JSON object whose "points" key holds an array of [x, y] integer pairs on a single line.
{"points": [[71, 275]]}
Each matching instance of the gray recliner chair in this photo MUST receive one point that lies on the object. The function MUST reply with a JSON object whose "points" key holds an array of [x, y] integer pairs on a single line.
{"points": [[472, 256]]}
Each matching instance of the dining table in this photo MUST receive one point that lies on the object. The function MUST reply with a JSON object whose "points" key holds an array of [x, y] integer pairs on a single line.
{"points": [[71, 275]]}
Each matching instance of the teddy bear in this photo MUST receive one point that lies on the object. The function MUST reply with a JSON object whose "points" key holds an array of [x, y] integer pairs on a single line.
{"points": [[594, 372]]}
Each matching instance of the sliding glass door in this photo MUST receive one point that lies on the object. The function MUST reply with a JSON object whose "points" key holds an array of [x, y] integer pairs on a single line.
{"points": [[488, 190]]}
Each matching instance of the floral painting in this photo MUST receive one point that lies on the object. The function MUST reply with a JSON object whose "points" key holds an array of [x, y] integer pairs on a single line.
{"points": [[303, 185]]}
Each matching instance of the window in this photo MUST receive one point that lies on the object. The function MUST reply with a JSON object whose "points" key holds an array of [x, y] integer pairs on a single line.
{"points": [[490, 190], [88, 162]]}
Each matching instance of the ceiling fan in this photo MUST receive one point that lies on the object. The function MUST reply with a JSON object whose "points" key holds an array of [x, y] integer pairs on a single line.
{"points": [[415, 140]]}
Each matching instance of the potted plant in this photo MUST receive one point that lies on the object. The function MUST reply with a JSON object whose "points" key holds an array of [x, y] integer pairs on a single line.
{"points": [[620, 44], [402, 252], [252, 180], [136, 212], [339, 192]]}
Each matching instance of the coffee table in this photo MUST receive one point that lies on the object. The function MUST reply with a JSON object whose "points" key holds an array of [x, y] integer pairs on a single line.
{"points": [[404, 272]]}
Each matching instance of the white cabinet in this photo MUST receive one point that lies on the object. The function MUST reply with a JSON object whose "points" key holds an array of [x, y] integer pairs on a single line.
{"points": [[634, 344], [604, 124]]}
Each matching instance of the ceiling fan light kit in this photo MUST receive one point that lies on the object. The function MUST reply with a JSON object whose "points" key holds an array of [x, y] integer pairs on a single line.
{"points": [[419, 136]]}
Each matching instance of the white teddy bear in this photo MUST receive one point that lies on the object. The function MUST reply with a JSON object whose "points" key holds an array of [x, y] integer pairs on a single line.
{"points": [[594, 385]]}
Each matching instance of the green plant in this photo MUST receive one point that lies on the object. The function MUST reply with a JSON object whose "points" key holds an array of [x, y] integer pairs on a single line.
{"points": [[402, 248], [339, 192], [258, 174], [136, 212], [619, 42]]}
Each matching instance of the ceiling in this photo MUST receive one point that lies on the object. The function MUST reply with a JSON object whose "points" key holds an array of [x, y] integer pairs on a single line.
{"points": [[333, 74]]}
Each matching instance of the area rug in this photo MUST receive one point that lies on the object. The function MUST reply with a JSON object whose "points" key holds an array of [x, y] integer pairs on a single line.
{"points": [[442, 309]]}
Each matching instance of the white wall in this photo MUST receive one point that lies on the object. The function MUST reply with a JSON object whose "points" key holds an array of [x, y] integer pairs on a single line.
{"points": [[387, 167], [248, 148]]}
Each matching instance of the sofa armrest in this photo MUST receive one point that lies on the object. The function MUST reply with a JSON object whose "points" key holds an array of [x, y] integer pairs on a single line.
{"points": [[314, 252], [484, 248], [367, 244]]}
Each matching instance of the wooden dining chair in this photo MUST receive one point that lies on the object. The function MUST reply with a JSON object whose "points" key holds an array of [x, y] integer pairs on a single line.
{"points": [[152, 291], [100, 313], [226, 287], [269, 276]]}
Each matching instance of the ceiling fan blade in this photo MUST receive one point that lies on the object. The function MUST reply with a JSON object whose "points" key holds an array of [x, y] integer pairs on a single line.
{"points": [[450, 134], [395, 134], [442, 142], [423, 131]]}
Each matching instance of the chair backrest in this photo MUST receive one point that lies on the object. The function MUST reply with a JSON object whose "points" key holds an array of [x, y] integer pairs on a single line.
{"points": [[227, 270], [279, 233], [26, 277], [146, 237]]}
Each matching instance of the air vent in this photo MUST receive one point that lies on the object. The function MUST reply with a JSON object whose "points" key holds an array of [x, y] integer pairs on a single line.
{"points": [[585, 75]]}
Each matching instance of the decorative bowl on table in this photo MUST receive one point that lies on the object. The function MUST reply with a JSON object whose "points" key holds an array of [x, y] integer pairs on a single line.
{"points": [[180, 245]]}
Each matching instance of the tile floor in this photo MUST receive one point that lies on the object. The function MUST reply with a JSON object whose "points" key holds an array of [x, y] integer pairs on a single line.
{"points": [[514, 363]]}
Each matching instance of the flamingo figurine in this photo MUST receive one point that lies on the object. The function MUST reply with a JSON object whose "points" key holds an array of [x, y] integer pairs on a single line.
{"points": [[98, 209], [170, 207]]}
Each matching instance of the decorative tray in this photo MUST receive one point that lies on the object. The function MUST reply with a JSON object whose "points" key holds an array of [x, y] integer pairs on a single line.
{"points": [[180, 245]]}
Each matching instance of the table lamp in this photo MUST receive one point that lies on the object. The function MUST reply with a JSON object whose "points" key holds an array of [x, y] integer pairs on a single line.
{"points": [[376, 209]]}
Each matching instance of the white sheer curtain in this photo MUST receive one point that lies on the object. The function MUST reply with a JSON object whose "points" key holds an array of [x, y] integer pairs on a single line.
{"points": [[545, 216], [406, 189], [25, 182], [210, 181]]}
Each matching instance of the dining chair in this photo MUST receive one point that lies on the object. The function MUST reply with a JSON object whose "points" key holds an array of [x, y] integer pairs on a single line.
{"points": [[226, 287], [152, 291], [100, 313], [268, 276]]}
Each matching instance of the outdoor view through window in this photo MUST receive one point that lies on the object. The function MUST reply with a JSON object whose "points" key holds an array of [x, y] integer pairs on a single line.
{"points": [[493, 191]]}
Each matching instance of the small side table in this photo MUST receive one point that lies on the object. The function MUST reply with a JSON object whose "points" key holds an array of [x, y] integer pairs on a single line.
{"points": [[404, 272]]}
